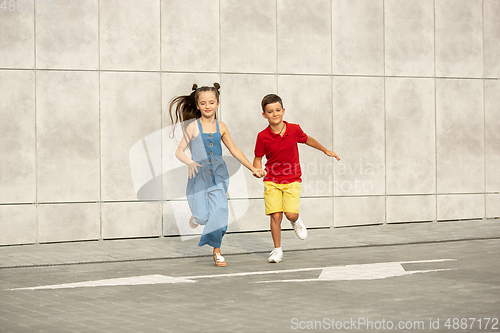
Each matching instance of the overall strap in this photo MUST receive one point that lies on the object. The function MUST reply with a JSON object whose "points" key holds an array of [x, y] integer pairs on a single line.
{"points": [[217, 125], [200, 128]]}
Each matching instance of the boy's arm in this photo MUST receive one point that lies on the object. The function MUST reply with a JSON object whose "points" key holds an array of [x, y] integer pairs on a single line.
{"points": [[257, 162], [311, 142]]}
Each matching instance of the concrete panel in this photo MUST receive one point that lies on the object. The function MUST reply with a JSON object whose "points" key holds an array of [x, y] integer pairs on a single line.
{"points": [[492, 205], [411, 208], [68, 222], [129, 34], [131, 219], [410, 136], [67, 36], [491, 36], [254, 219], [302, 97], [316, 212], [492, 135], [460, 206], [17, 143], [304, 36], [358, 130], [130, 110], [18, 224], [170, 227], [248, 36], [351, 211], [67, 136], [190, 35], [409, 37], [17, 37], [459, 38], [460, 136], [358, 37]]}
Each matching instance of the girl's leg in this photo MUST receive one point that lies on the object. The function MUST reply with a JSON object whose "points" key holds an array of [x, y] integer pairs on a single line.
{"points": [[218, 213], [218, 258], [199, 207], [276, 219]]}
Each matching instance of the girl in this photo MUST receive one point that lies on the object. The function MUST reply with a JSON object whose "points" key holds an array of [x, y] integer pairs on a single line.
{"points": [[208, 175]]}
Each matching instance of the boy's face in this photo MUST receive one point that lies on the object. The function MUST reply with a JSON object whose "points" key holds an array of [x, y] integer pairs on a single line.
{"points": [[274, 113]]}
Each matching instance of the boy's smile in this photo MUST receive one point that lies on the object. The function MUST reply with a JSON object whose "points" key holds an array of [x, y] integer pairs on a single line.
{"points": [[274, 114]]}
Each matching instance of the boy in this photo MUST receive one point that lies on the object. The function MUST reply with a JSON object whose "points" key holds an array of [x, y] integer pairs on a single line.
{"points": [[278, 143]]}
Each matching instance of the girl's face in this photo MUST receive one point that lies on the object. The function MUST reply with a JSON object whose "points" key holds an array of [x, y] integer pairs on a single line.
{"points": [[207, 103]]}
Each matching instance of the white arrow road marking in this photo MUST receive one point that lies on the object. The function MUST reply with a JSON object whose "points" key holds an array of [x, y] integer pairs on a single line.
{"points": [[127, 281], [360, 272], [332, 273]]}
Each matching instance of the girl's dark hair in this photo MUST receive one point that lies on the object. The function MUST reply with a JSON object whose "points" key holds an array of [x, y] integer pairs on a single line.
{"points": [[183, 108], [270, 99]]}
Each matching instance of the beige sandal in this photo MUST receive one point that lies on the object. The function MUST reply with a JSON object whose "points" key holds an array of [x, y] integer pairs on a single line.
{"points": [[219, 260], [192, 223]]}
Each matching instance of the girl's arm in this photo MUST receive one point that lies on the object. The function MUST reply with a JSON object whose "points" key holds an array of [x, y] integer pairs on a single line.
{"points": [[311, 142], [226, 138], [179, 153]]}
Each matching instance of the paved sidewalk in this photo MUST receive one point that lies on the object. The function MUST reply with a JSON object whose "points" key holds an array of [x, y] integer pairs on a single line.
{"points": [[415, 277], [246, 243]]}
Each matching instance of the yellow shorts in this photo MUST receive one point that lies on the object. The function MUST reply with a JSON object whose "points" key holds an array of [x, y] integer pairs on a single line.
{"points": [[282, 197]]}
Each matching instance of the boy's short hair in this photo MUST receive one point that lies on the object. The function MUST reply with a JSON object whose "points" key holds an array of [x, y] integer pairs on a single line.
{"points": [[270, 99]]}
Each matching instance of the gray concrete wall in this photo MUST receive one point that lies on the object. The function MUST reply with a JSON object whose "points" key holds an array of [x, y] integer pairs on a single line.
{"points": [[406, 92]]}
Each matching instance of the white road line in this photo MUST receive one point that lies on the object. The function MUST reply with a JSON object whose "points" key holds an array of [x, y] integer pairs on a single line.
{"points": [[333, 273]]}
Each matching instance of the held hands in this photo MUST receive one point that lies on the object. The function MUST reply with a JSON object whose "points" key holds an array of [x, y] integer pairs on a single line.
{"points": [[193, 169], [332, 154], [259, 173]]}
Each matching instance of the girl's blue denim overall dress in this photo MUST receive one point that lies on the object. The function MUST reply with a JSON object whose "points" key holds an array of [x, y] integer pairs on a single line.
{"points": [[206, 191]]}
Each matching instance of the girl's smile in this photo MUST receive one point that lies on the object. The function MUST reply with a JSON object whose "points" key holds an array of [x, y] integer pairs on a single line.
{"points": [[207, 103]]}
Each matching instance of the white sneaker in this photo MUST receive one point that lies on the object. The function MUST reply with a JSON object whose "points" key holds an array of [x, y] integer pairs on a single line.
{"points": [[276, 256], [300, 229]]}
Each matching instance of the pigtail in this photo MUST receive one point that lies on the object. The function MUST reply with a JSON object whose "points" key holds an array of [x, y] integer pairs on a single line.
{"points": [[183, 108]]}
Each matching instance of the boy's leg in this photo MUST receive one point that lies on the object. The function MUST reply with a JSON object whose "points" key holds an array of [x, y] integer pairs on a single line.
{"points": [[291, 203], [277, 253], [276, 219], [273, 199], [292, 217]]}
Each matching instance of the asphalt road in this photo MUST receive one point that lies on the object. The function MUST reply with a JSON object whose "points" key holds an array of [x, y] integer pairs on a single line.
{"points": [[439, 286]]}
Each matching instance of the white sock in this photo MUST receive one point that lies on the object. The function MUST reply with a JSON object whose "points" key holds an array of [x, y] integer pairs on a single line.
{"points": [[278, 249], [293, 223]]}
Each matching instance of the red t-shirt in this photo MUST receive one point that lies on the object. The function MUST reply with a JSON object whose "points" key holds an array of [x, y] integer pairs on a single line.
{"points": [[282, 153]]}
